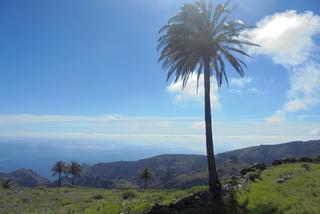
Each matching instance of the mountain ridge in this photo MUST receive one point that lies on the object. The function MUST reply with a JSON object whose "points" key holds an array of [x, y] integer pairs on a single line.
{"points": [[175, 170]]}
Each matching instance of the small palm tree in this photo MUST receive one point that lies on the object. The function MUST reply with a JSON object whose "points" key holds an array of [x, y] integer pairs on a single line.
{"points": [[59, 168], [145, 175], [199, 40], [74, 170], [7, 183]]}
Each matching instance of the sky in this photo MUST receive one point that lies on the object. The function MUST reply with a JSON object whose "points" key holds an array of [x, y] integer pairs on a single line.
{"points": [[87, 71]]}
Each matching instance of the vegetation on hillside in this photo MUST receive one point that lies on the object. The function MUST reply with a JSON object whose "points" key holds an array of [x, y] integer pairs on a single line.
{"points": [[74, 170], [7, 183], [145, 175], [59, 168], [287, 188], [84, 200]]}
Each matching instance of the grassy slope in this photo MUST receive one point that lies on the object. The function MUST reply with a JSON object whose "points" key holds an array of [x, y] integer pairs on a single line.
{"points": [[76, 200], [299, 194]]}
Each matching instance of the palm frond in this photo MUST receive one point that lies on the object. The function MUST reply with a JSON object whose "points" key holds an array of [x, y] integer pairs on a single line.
{"points": [[200, 32]]}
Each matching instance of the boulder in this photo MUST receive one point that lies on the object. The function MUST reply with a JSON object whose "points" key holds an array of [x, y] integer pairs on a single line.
{"points": [[260, 166], [256, 166], [228, 187], [196, 200], [246, 170], [280, 180]]}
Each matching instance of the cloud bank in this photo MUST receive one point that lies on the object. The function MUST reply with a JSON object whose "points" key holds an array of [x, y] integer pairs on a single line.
{"points": [[288, 39], [180, 132]]}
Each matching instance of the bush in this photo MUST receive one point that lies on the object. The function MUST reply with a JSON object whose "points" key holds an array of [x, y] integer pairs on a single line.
{"points": [[129, 194], [7, 183], [97, 197], [306, 166], [254, 175]]}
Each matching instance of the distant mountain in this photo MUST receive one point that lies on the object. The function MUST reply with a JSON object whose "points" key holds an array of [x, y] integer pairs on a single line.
{"points": [[173, 171], [184, 171], [165, 167], [26, 178], [267, 153]]}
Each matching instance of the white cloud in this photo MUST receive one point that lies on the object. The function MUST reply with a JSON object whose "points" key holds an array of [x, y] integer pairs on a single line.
{"points": [[240, 82], [287, 38], [198, 125], [315, 132], [190, 94], [253, 90], [183, 132], [31, 118], [305, 88], [277, 118]]}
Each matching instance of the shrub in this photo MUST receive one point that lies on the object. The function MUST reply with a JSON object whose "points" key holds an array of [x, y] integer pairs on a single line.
{"points": [[129, 194], [306, 166], [254, 175], [7, 183], [97, 197]]}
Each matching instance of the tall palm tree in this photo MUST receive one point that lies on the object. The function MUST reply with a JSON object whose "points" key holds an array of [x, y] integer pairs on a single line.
{"points": [[58, 168], [145, 175], [74, 170], [200, 39]]}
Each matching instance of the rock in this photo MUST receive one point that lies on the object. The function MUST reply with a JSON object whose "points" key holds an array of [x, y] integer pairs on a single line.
{"points": [[198, 199], [228, 187], [246, 170], [256, 166], [260, 166], [280, 180], [157, 209]]}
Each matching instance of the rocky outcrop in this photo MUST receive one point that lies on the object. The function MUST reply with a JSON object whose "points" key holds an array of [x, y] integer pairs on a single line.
{"points": [[292, 160], [196, 200], [256, 166]]}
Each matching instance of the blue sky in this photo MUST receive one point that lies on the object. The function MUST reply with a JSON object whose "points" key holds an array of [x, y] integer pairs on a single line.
{"points": [[87, 70]]}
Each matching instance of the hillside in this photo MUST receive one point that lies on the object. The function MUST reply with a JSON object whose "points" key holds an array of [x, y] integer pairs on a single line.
{"points": [[267, 153], [185, 171], [299, 193], [174, 171], [26, 178]]}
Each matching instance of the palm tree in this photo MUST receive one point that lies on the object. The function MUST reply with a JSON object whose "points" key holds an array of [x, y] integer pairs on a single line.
{"points": [[145, 175], [7, 183], [199, 39], [74, 170], [58, 168]]}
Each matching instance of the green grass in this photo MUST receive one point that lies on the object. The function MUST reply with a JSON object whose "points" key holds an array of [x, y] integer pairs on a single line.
{"points": [[300, 193], [84, 200]]}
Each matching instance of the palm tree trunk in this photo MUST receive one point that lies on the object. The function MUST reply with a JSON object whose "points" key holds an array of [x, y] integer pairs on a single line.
{"points": [[59, 180], [72, 180], [214, 184], [145, 184]]}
